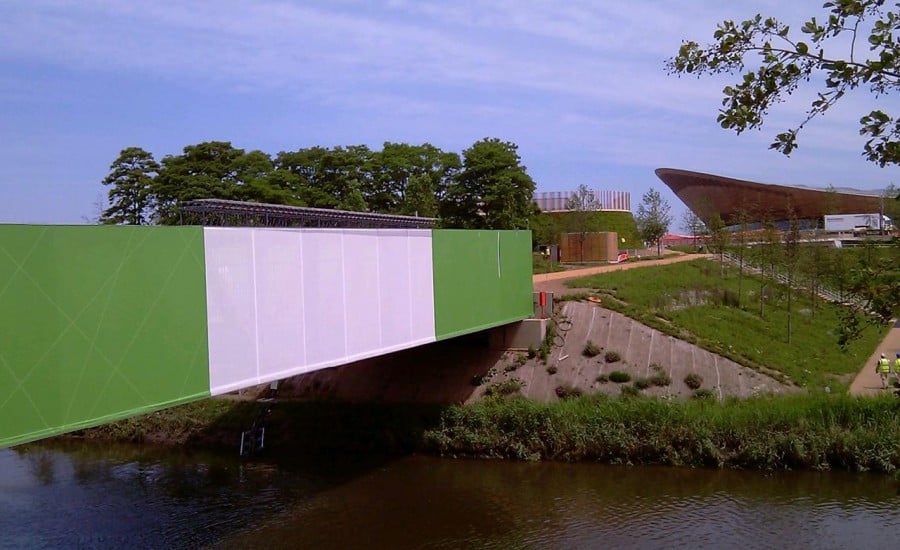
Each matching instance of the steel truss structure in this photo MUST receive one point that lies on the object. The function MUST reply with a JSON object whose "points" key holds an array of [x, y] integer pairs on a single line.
{"points": [[226, 213]]}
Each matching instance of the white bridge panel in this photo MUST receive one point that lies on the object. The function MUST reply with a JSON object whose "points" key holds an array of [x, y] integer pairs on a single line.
{"points": [[362, 303], [230, 306], [279, 299], [287, 301]]}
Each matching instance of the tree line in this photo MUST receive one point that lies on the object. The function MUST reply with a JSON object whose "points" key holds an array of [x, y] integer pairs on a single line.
{"points": [[485, 187]]}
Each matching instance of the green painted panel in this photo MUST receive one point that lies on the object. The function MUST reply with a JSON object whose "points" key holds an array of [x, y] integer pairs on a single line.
{"points": [[98, 323], [482, 279]]}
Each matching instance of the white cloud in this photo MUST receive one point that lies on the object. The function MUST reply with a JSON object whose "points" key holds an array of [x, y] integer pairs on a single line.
{"points": [[581, 78]]}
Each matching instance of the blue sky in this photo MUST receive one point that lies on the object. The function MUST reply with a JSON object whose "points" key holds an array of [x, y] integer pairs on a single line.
{"points": [[579, 85]]}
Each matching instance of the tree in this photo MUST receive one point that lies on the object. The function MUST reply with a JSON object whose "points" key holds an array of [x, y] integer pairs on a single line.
{"points": [[719, 237], [419, 197], [743, 234], [816, 267], [784, 61], [398, 163], [653, 218], [791, 239], [875, 284], [340, 177], [692, 223], [493, 190], [582, 205], [206, 170], [352, 198], [889, 206], [768, 256], [130, 178], [544, 228]]}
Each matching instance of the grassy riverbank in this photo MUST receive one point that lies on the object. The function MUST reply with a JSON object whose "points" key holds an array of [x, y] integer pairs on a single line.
{"points": [[789, 432], [768, 433]]}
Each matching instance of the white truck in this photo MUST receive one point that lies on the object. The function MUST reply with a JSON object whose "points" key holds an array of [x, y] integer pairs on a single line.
{"points": [[857, 223]]}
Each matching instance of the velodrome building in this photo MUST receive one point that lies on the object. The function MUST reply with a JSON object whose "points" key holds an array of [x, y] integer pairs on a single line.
{"points": [[707, 194]]}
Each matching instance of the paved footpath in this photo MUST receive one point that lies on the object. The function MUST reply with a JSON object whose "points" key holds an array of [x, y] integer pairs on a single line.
{"points": [[867, 382]]}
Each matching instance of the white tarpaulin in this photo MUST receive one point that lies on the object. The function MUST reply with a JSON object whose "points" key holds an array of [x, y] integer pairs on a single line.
{"points": [[282, 302]]}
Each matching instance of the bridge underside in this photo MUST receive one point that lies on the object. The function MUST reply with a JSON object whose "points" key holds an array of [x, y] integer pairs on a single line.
{"points": [[101, 323]]}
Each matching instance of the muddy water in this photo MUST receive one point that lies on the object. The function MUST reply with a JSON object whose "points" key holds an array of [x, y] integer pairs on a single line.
{"points": [[121, 496]]}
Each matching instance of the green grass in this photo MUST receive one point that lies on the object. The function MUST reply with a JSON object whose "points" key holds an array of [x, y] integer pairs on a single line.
{"points": [[504, 388], [591, 349], [788, 432], [619, 377], [687, 301], [693, 381], [540, 264]]}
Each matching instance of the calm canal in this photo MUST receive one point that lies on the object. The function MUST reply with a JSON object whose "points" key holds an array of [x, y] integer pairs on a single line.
{"points": [[83, 495]]}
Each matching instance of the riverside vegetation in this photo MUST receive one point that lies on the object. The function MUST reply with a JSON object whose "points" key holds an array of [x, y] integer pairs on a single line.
{"points": [[818, 432], [789, 432]]}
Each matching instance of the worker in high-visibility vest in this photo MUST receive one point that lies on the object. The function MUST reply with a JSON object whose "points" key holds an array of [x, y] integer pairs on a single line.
{"points": [[883, 368], [897, 367]]}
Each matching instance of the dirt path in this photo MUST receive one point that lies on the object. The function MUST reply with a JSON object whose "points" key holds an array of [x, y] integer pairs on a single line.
{"points": [[555, 282]]}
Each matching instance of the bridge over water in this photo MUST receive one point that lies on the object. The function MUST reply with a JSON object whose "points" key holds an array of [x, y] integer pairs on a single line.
{"points": [[99, 323]]}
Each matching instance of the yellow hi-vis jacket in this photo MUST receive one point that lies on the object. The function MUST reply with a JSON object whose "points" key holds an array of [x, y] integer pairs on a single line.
{"points": [[897, 365], [884, 366]]}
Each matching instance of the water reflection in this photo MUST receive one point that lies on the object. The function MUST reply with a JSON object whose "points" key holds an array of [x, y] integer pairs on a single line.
{"points": [[115, 496], [427, 503]]}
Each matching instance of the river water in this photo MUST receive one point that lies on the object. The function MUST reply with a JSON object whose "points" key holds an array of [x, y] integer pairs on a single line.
{"points": [[85, 495]]}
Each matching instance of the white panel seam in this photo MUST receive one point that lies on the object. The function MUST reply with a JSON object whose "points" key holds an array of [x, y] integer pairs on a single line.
{"points": [[344, 295], [255, 299], [302, 298], [498, 255], [410, 282], [209, 306], [380, 323]]}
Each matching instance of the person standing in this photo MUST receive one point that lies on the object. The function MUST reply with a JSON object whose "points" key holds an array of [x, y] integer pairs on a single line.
{"points": [[897, 367], [883, 368]]}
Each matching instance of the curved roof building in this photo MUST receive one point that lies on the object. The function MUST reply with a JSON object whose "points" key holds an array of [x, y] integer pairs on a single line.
{"points": [[706, 194]]}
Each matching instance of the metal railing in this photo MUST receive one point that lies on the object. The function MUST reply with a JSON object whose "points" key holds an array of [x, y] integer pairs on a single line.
{"points": [[824, 292]]}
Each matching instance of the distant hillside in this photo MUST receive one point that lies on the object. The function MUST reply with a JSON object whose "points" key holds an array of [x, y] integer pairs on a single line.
{"points": [[547, 226]]}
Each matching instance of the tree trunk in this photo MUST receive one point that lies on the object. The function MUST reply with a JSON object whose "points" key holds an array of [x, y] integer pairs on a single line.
{"points": [[790, 310]]}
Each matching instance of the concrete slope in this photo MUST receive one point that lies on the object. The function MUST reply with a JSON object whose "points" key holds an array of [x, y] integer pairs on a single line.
{"points": [[639, 347]]}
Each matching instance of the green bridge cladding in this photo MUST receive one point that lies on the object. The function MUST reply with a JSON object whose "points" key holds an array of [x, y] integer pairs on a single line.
{"points": [[99, 323]]}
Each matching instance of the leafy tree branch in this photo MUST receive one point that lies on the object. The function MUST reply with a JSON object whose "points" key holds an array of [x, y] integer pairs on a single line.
{"points": [[773, 63]]}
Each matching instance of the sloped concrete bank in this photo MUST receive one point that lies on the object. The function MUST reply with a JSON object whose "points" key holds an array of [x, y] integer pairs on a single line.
{"points": [[643, 351]]}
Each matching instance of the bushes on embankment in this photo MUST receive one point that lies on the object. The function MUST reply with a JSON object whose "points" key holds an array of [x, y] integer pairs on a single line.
{"points": [[793, 432]]}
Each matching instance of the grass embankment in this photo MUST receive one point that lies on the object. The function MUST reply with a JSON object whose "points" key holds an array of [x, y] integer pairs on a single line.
{"points": [[693, 301], [795, 432]]}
